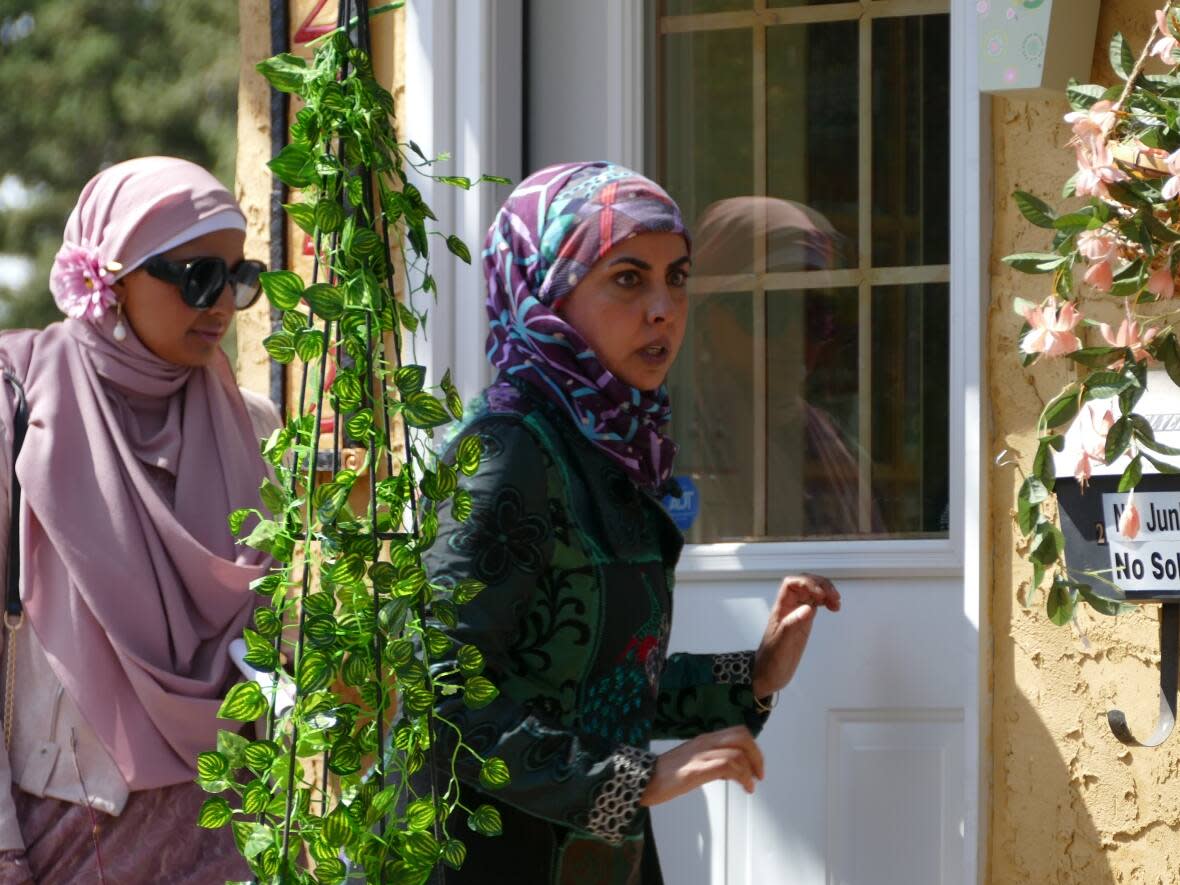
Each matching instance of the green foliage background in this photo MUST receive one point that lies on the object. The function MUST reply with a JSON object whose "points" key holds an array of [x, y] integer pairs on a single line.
{"points": [[87, 83]]}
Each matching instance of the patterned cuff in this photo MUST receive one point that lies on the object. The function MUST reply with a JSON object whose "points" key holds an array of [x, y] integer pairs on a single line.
{"points": [[735, 668], [616, 802]]}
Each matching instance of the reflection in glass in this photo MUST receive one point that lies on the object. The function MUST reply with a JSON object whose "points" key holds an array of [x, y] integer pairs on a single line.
{"points": [[812, 399], [910, 412], [707, 145], [911, 141], [712, 388], [811, 124]]}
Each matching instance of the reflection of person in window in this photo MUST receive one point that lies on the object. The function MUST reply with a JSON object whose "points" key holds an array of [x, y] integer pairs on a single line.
{"points": [[587, 266], [814, 355]]}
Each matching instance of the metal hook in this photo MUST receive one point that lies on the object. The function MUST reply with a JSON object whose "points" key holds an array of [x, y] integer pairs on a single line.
{"points": [[1169, 664]]}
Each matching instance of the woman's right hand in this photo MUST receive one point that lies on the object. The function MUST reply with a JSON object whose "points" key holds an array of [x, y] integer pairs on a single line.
{"points": [[730, 754]]}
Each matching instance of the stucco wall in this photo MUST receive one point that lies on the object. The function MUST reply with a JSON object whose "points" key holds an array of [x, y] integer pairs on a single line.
{"points": [[1069, 803]]}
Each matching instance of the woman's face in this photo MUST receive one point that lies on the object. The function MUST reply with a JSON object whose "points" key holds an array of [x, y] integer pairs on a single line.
{"points": [[167, 326], [632, 307]]}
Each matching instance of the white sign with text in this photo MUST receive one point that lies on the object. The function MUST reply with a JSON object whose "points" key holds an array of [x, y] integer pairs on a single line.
{"points": [[1152, 560]]}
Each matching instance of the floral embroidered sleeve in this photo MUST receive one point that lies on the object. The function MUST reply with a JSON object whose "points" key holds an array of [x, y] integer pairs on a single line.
{"points": [[703, 692], [556, 773]]}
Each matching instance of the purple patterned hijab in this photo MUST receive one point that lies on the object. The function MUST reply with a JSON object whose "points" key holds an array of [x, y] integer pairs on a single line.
{"points": [[546, 237]]}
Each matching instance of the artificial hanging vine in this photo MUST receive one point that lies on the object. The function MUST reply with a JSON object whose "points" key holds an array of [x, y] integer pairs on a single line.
{"points": [[349, 603]]}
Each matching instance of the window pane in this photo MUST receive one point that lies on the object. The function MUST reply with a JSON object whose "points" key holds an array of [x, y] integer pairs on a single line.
{"points": [[707, 135], [712, 387], [811, 122], [911, 141], [812, 405], [910, 413], [780, 3]]}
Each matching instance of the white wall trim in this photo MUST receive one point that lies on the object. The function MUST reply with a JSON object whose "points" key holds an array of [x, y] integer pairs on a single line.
{"points": [[624, 70]]}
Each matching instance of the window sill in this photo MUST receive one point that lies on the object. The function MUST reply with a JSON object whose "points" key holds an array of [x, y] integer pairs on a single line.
{"points": [[835, 559]]}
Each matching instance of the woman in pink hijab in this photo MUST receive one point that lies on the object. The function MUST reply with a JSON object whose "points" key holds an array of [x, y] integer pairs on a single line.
{"points": [[139, 444]]}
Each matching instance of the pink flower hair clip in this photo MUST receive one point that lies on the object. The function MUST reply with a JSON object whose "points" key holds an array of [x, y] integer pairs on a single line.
{"points": [[81, 282]]}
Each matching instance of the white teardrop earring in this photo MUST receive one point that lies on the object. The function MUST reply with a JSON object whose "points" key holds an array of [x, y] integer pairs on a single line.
{"points": [[120, 330]]}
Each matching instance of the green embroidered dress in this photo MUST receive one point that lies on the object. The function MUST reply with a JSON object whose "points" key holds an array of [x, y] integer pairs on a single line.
{"points": [[574, 626]]}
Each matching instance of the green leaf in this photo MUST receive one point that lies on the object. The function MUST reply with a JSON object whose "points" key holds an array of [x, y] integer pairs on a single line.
{"points": [[1060, 603], [1131, 475], [1035, 262], [421, 847], [420, 814], [260, 755], [284, 288], [467, 589], [458, 181], [493, 774], [1104, 385], [1034, 209], [1061, 409], [286, 72], [1043, 467], [469, 454], [1034, 490], [295, 166], [1118, 438], [260, 653], [458, 248], [337, 827], [1097, 357], [320, 631], [243, 703], [347, 390], [399, 653], [1163, 467], [471, 660], [326, 302], [1048, 543], [303, 215], [479, 691], [1027, 515], [328, 216], [212, 766], [485, 820], [409, 379], [424, 411], [238, 517], [280, 346], [1082, 97], [345, 757], [1122, 59], [437, 642], [1169, 352], [1104, 605], [495, 179], [462, 505], [267, 622], [215, 813], [454, 853], [256, 797], [309, 344]]}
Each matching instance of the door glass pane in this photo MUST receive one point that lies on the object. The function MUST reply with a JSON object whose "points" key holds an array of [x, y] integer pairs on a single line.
{"points": [[814, 458], [811, 131], [910, 411], [713, 384], [911, 141], [707, 131]]}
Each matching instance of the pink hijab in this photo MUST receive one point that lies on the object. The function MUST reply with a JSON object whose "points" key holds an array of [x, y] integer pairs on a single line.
{"points": [[135, 598]]}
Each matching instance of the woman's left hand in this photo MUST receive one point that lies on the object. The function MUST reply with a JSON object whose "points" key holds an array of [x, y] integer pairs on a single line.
{"points": [[787, 631]]}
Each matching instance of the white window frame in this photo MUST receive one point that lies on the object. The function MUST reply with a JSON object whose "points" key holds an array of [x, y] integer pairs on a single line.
{"points": [[464, 96]]}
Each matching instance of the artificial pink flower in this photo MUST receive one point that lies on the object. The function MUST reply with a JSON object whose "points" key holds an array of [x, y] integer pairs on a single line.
{"points": [[1162, 283], [1130, 335], [1092, 432], [1098, 245], [1096, 168], [1100, 276], [81, 282], [1052, 330], [1098, 120], [1129, 521], [1171, 188], [1167, 44]]}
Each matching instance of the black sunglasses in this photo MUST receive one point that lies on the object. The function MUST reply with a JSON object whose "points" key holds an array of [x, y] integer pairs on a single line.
{"points": [[202, 280]]}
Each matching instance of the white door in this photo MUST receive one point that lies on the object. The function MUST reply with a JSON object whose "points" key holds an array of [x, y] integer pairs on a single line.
{"points": [[827, 397]]}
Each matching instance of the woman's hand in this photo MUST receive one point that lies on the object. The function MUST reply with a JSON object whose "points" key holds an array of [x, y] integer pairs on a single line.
{"points": [[788, 629], [729, 754], [14, 869]]}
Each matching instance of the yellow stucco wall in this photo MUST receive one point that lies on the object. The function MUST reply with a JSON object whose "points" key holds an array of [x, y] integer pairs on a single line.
{"points": [[1069, 804]]}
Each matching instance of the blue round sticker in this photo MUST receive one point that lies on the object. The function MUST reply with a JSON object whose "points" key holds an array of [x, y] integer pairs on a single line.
{"points": [[684, 509]]}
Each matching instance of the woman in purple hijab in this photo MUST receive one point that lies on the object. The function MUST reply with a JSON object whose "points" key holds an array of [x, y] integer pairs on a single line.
{"points": [[587, 268]]}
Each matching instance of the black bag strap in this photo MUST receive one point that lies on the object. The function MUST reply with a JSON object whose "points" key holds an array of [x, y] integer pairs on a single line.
{"points": [[20, 426]]}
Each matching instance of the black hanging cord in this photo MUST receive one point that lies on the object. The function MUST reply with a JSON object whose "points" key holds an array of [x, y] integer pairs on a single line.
{"points": [[20, 426], [280, 106]]}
